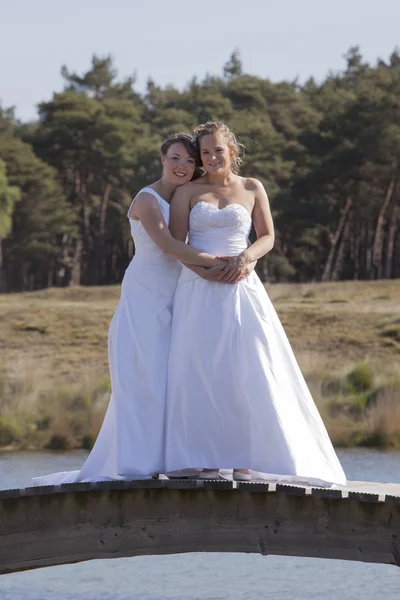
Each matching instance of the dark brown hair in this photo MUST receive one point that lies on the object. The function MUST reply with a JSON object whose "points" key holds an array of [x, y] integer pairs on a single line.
{"points": [[181, 138], [235, 147]]}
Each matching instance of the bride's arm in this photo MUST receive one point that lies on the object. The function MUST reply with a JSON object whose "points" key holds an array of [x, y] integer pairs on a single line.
{"points": [[180, 211], [147, 210], [208, 273], [264, 226], [179, 227]]}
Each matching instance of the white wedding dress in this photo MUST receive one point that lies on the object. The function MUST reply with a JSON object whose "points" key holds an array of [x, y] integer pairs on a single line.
{"points": [[236, 396], [130, 444]]}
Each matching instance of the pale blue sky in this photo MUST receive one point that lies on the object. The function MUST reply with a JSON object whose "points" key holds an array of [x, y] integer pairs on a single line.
{"points": [[173, 40]]}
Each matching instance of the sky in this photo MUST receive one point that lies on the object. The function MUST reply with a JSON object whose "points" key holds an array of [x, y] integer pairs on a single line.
{"points": [[171, 40]]}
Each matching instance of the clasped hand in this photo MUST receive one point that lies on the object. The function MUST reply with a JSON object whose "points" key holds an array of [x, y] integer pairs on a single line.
{"points": [[234, 269]]}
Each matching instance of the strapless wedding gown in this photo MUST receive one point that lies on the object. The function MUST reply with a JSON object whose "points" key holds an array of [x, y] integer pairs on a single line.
{"points": [[236, 396], [130, 444]]}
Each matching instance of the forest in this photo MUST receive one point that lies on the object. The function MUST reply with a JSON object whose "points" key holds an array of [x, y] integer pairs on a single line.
{"points": [[328, 154]]}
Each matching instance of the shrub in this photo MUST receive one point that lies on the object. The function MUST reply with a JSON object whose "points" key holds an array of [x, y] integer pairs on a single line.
{"points": [[391, 332], [87, 441], [361, 378], [10, 432], [58, 441]]}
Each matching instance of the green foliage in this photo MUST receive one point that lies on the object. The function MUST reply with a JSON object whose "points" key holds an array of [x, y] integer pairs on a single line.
{"points": [[233, 67], [10, 432], [328, 154], [9, 195], [358, 404], [360, 378], [40, 219]]}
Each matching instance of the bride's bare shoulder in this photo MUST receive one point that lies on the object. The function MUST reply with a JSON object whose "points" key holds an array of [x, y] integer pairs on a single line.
{"points": [[184, 193], [191, 186], [251, 184], [199, 181]]}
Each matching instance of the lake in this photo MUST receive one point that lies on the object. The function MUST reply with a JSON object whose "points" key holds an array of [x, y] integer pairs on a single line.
{"points": [[202, 576]]}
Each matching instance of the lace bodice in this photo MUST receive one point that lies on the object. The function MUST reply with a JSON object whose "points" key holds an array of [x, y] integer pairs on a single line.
{"points": [[219, 231]]}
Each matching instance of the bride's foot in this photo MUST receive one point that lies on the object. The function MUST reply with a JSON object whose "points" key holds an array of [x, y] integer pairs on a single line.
{"points": [[241, 475], [209, 474]]}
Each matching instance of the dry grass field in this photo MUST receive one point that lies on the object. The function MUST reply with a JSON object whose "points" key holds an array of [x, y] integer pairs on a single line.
{"points": [[54, 383]]}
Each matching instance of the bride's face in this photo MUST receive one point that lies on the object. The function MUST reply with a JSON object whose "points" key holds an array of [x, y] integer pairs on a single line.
{"points": [[178, 165], [215, 153]]}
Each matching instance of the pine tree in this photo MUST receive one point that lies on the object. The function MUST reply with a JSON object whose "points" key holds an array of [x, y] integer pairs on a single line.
{"points": [[233, 68], [9, 195]]}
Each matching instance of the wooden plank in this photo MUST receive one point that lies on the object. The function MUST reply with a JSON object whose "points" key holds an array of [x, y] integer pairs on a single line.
{"points": [[16, 493], [330, 494], [291, 490], [363, 497], [249, 486], [392, 499]]}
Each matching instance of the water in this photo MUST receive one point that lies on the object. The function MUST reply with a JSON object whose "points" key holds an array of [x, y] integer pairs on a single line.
{"points": [[202, 576]]}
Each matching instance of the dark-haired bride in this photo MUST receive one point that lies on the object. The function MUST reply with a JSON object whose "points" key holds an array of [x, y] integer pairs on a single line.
{"points": [[130, 444]]}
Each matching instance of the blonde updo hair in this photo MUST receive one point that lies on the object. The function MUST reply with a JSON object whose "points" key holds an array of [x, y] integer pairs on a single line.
{"points": [[236, 148]]}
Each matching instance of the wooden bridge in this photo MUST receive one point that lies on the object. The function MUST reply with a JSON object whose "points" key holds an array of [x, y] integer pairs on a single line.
{"points": [[44, 526]]}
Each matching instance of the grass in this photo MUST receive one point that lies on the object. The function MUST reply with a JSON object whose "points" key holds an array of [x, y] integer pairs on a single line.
{"points": [[54, 384]]}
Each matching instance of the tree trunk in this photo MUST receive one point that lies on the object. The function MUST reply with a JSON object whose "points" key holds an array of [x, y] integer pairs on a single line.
{"points": [[396, 255], [388, 264], [99, 241], [368, 250], [50, 275], [337, 271], [378, 239], [86, 250], [76, 264], [3, 278], [326, 275], [357, 249]]}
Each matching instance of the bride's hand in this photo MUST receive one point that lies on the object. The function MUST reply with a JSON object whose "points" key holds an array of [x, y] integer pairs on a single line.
{"points": [[213, 273], [248, 271], [217, 261], [235, 270]]}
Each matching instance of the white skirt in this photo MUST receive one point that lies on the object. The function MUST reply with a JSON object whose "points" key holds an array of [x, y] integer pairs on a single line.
{"points": [[236, 397], [130, 444]]}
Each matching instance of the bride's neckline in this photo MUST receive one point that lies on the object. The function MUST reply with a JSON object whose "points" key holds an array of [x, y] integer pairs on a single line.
{"points": [[220, 209]]}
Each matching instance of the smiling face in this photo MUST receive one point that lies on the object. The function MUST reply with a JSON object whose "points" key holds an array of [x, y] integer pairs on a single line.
{"points": [[179, 165], [215, 153]]}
